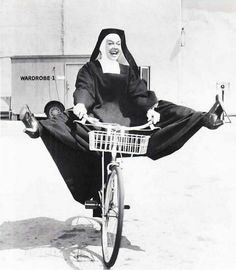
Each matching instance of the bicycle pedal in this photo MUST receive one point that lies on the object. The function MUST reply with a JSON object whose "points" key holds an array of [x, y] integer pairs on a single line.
{"points": [[126, 206], [91, 204]]}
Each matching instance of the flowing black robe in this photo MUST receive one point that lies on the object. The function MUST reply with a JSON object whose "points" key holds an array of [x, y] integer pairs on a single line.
{"points": [[120, 98]]}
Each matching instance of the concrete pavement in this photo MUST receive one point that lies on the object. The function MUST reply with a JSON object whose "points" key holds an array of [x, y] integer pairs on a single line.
{"points": [[182, 216]]}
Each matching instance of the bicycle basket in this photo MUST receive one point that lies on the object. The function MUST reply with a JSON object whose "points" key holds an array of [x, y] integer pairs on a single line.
{"points": [[120, 142]]}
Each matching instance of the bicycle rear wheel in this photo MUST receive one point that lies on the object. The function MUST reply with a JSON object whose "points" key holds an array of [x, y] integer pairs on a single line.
{"points": [[112, 218]]}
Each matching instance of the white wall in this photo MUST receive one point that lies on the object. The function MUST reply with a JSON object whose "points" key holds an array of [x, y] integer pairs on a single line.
{"points": [[181, 74], [151, 27], [27, 27], [209, 55], [32, 27]]}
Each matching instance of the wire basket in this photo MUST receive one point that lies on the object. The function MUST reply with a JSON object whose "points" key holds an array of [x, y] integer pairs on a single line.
{"points": [[105, 141]]}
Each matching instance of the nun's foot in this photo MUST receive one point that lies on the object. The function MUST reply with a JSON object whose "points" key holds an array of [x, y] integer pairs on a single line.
{"points": [[211, 121], [30, 122], [217, 108], [33, 134], [214, 118]]}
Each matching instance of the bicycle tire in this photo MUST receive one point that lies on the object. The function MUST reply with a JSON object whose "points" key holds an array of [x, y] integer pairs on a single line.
{"points": [[111, 240]]}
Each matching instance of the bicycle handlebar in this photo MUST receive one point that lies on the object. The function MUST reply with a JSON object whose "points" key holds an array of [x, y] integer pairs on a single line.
{"points": [[95, 122]]}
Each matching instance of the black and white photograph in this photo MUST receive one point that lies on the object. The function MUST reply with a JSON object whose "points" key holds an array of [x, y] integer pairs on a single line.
{"points": [[117, 134]]}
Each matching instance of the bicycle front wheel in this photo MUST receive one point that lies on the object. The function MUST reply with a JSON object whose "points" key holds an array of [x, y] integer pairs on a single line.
{"points": [[112, 217]]}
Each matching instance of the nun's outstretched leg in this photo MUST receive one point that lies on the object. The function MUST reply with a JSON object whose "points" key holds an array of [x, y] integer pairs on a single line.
{"points": [[178, 124]]}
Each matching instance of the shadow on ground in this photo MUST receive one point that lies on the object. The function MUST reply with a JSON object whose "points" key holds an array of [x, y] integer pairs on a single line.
{"points": [[73, 237]]}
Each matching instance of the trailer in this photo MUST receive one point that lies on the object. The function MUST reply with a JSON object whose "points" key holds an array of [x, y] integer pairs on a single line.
{"points": [[45, 83]]}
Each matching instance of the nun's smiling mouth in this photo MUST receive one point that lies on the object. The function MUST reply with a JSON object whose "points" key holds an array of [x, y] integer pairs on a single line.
{"points": [[114, 52]]}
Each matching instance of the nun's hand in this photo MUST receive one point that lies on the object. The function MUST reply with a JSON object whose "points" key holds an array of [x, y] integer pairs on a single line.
{"points": [[153, 116], [79, 110]]}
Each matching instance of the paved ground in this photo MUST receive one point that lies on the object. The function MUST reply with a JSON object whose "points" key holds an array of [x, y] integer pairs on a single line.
{"points": [[183, 214]]}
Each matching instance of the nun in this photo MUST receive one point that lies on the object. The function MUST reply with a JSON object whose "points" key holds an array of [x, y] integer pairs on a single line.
{"points": [[109, 88]]}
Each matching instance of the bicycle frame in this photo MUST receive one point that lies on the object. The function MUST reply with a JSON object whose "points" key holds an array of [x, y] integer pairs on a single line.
{"points": [[113, 162], [114, 140], [111, 127]]}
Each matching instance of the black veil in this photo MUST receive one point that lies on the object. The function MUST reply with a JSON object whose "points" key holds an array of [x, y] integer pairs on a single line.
{"points": [[125, 50]]}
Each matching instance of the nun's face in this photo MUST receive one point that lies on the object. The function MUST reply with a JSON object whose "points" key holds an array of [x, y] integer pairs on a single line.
{"points": [[113, 46]]}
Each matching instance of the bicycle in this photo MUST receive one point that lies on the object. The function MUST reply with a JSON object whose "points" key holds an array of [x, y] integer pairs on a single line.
{"points": [[116, 140]]}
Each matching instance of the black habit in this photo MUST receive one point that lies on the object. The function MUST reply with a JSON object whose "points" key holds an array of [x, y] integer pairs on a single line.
{"points": [[122, 98]]}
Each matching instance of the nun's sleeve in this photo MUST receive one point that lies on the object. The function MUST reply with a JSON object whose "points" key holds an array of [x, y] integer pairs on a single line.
{"points": [[139, 94], [85, 88]]}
